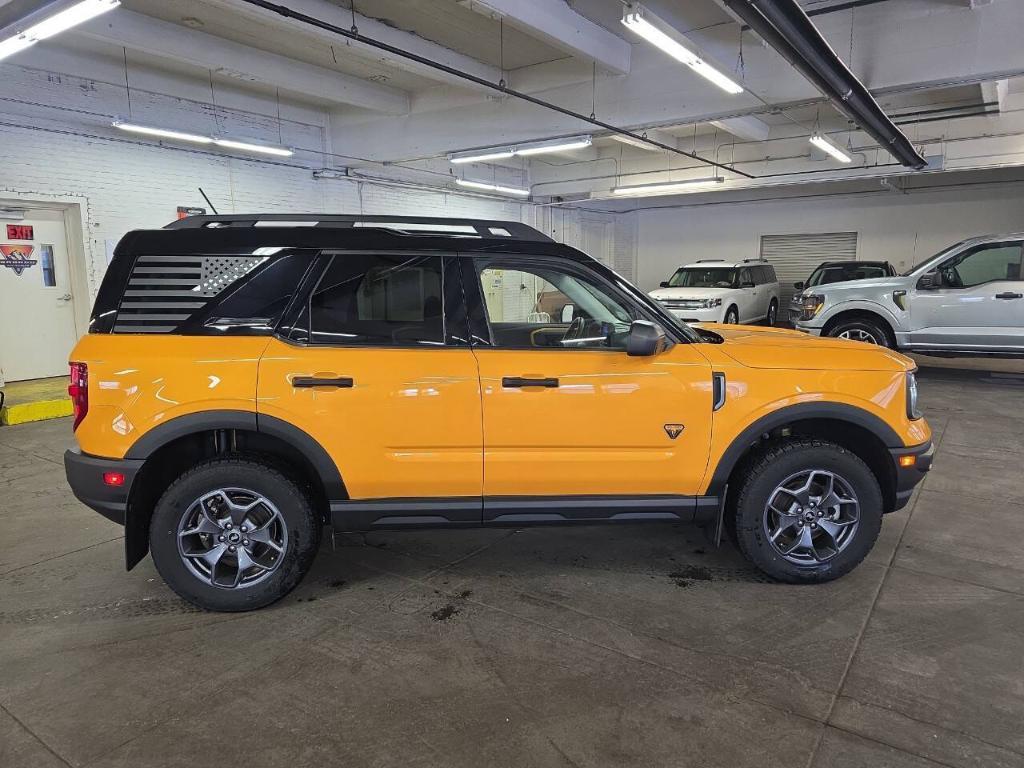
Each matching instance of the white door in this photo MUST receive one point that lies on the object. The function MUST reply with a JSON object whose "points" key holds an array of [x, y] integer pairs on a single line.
{"points": [[37, 313], [978, 305]]}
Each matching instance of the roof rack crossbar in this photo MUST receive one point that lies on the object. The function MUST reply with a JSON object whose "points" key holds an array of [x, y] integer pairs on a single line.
{"points": [[424, 226]]}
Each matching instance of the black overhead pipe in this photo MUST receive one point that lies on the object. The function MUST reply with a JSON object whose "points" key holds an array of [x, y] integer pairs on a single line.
{"points": [[786, 28]]}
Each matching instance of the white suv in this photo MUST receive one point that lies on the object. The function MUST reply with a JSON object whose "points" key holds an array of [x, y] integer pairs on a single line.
{"points": [[719, 291], [966, 299]]}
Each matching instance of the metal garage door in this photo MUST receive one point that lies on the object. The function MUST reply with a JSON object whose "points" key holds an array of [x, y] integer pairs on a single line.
{"points": [[795, 256]]}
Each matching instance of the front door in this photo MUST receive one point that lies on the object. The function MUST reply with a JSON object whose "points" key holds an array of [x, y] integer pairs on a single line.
{"points": [[566, 412], [37, 315], [378, 371], [978, 305], [749, 296]]}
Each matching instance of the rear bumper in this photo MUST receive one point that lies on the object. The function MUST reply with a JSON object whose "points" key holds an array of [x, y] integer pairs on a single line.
{"points": [[85, 476], [907, 477]]}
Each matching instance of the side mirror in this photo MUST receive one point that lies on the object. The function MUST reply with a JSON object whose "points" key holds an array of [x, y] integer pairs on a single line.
{"points": [[929, 281], [799, 286], [567, 313], [663, 284], [645, 339]]}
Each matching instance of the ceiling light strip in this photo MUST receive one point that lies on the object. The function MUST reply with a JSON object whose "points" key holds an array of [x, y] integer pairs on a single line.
{"points": [[492, 187], [666, 188], [530, 148], [827, 146], [195, 138], [54, 25], [664, 36]]}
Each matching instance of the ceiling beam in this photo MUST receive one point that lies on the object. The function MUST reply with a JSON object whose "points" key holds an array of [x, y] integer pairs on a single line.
{"points": [[556, 23], [377, 30], [746, 127], [171, 41]]}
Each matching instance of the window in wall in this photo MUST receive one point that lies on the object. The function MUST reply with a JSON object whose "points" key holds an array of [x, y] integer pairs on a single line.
{"points": [[46, 262], [378, 300]]}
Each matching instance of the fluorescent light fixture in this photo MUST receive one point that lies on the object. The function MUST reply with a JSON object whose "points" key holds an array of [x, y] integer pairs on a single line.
{"points": [[827, 146], [629, 140], [553, 145], [54, 25], [492, 187], [664, 36], [163, 133], [263, 149], [479, 155], [666, 188], [196, 138], [565, 144]]}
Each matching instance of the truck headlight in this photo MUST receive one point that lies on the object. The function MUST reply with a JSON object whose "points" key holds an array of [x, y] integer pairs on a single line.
{"points": [[710, 303], [912, 410], [810, 305]]}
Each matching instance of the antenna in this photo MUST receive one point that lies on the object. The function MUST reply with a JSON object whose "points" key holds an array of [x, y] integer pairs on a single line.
{"points": [[208, 202]]}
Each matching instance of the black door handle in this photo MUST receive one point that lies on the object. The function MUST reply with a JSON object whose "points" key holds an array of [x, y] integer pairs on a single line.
{"points": [[516, 381], [342, 382], [1009, 295]]}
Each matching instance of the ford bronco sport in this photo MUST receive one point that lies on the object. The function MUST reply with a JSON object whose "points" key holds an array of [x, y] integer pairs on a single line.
{"points": [[248, 379]]}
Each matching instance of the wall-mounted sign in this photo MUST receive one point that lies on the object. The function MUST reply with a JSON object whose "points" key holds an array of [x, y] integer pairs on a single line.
{"points": [[16, 257], [184, 211], [19, 232]]}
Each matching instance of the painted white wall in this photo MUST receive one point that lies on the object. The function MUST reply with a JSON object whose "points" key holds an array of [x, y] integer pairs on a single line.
{"points": [[903, 229]]}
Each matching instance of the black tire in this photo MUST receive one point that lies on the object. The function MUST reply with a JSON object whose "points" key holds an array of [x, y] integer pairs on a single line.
{"points": [[300, 521], [773, 313], [860, 329], [732, 316], [769, 468]]}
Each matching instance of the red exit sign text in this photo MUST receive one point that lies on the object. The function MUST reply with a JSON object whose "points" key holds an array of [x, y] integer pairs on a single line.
{"points": [[19, 232]]}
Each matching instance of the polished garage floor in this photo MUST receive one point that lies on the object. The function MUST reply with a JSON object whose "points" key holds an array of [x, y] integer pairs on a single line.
{"points": [[631, 646]]}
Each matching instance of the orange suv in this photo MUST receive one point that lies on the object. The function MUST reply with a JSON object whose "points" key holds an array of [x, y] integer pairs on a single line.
{"points": [[248, 379]]}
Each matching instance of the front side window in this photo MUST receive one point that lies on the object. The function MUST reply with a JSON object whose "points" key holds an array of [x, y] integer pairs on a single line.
{"points": [[986, 264], [703, 277], [841, 273], [551, 306], [379, 300]]}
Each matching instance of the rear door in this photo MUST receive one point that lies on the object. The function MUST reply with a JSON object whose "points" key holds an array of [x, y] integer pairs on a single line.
{"points": [[377, 369], [979, 304]]}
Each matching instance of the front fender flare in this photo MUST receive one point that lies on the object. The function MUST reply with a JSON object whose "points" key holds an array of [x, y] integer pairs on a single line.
{"points": [[861, 305]]}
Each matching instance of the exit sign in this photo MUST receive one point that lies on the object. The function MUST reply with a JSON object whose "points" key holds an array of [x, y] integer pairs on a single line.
{"points": [[19, 232]]}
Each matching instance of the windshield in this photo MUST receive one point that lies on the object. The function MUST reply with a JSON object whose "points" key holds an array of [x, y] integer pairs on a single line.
{"points": [[943, 252], [840, 273], [703, 277]]}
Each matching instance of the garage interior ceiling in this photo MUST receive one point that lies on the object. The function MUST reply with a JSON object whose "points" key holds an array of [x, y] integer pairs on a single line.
{"points": [[422, 80]]}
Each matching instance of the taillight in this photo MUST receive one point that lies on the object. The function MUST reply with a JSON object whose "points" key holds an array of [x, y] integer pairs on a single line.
{"points": [[78, 388]]}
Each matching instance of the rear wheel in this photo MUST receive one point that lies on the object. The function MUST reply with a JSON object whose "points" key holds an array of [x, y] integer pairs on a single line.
{"points": [[861, 329], [732, 316], [233, 535], [807, 511]]}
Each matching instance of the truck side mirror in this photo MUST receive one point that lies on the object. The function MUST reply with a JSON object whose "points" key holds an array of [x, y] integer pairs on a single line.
{"points": [[645, 339], [929, 281], [799, 285]]}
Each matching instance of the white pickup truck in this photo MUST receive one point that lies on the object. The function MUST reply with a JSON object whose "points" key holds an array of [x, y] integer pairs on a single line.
{"points": [[966, 299]]}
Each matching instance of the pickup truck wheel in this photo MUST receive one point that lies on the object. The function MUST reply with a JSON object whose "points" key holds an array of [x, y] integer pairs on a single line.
{"points": [[861, 329], [233, 534], [807, 511]]}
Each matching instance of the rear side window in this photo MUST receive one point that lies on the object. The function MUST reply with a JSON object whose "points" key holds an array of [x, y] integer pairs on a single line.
{"points": [[769, 274], [379, 300], [216, 294]]}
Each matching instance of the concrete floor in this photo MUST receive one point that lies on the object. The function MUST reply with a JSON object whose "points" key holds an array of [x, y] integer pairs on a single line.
{"points": [[628, 646]]}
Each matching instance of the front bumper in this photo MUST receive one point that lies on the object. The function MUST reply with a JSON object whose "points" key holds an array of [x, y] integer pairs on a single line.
{"points": [[712, 315], [806, 328], [85, 476], [907, 477]]}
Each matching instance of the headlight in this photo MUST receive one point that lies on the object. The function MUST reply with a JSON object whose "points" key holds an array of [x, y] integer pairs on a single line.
{"points": [[710, 303], [811, 305], [912, 411]]}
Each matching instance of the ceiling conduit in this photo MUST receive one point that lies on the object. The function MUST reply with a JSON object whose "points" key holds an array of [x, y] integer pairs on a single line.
{"points": [[786, 28]]}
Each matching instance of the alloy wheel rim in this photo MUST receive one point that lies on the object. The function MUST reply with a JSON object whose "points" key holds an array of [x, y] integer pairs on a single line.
{"points": [[771, 314], [811, 516], [731, 318], [858, 334], [232, 538]]}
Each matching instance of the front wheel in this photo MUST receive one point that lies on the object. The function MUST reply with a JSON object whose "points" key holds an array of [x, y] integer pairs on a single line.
{"points": [[732, 316], [807, 511], [861, 329], [773, 314], [233, 534]]}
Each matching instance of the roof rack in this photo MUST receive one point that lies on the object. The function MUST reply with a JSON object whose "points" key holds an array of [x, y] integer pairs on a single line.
{"points": [[423, 226]]}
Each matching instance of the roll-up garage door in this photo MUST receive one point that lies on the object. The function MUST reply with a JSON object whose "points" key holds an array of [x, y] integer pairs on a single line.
{"points": [[795, 256]]}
